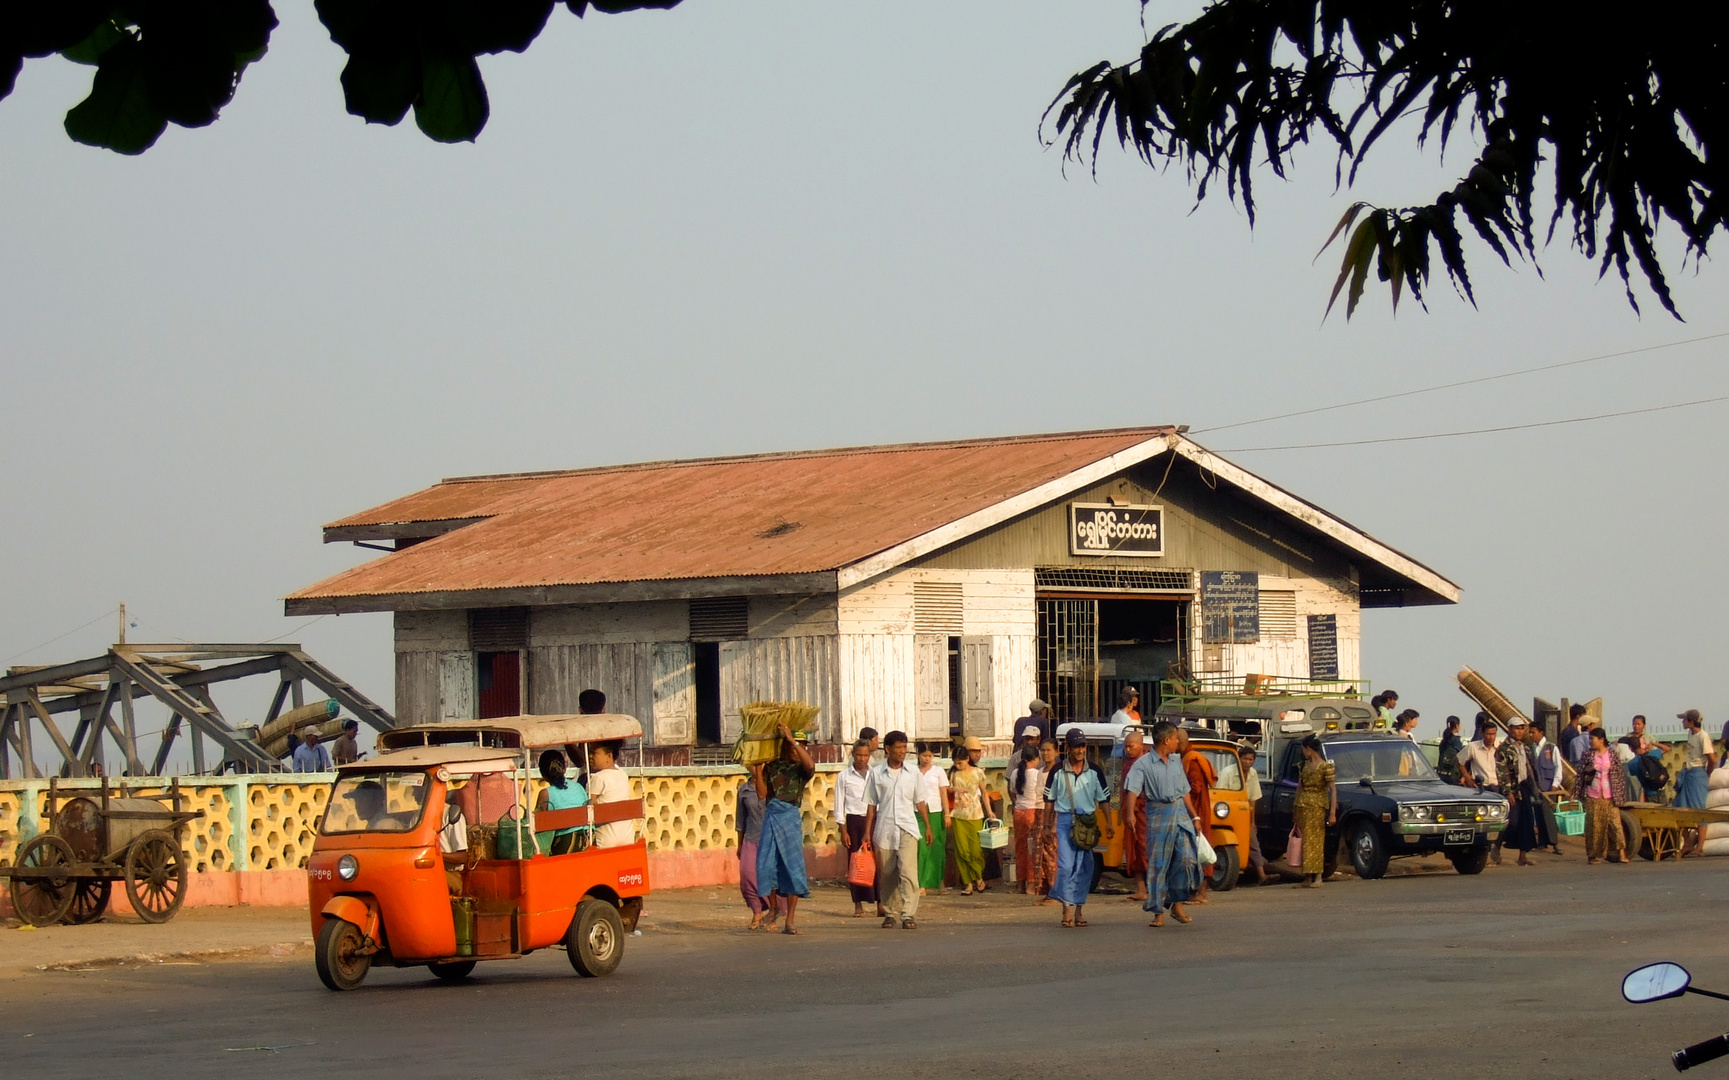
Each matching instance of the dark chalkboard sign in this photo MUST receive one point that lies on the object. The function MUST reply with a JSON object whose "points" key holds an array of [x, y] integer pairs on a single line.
{"points": [[1230, 607], [1323, 646]]}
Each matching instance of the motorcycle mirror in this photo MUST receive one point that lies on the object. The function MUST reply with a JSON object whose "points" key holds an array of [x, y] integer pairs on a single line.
{"points": [[1655, 982], [1365, 782]]}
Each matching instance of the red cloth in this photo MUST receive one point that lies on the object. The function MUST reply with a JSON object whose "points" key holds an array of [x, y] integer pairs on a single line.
{"points": [[1134, 833], [1201, 780]]}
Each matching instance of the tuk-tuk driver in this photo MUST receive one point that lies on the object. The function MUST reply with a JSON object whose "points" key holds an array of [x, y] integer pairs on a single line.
{"points": [[369, 802], [453, 838]]}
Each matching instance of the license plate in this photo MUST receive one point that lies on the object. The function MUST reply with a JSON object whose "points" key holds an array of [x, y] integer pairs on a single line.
{"points": [[1460, 836]]}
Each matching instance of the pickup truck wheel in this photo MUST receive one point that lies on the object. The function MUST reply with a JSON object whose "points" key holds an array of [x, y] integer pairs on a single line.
{"points": [[1225, 872], [1471, 861], [452, 970], [595, 939], [1368, 851], [341, 965]]}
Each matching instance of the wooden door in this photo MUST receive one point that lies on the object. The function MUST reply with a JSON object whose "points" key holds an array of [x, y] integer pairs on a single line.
{"points": [[931, 686], [978, 697]]}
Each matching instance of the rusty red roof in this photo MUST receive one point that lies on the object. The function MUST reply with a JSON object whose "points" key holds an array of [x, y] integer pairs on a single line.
{"points": [[763, 515]]}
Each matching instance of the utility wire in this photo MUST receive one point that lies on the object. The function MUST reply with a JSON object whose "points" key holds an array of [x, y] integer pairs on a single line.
{"points": [[1480, 431], [1454, 385], [62, 637]]}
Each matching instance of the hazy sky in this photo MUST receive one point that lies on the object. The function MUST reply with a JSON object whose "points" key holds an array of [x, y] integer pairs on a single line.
{"points": [[753, 226]]}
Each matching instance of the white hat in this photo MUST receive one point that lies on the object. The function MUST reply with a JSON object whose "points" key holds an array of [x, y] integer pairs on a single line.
{"points": [[1029, 730]]}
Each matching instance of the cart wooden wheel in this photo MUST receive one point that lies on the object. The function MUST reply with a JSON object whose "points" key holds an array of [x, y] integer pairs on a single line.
{"points": [[89, 900], [43, 901], [155, 876]]}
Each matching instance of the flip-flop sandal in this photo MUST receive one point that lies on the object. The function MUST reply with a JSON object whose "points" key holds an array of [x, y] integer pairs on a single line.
{"points": [[790, 930], [1158, 922], [909, 925], [1067, 925], [1182, 918], [1082, 922], [968, 891]]}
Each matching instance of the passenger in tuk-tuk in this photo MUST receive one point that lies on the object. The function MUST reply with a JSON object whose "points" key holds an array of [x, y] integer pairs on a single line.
{"points": [[608, 783], [562, 793]]}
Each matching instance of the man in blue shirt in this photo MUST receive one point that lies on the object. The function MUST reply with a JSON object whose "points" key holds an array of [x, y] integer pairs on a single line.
{"points": [[309, 756], [1157, 780]]}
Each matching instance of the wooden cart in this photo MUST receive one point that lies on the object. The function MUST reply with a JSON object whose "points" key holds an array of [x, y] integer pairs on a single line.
{"points": [[67, 873], [1658, 832]]}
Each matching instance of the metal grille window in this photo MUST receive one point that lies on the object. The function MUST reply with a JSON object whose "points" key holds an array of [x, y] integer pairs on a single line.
{"points": [[1114, 579], [1069, 657], [498, 629], [936, 607], [1278, 613], [719, 618]]}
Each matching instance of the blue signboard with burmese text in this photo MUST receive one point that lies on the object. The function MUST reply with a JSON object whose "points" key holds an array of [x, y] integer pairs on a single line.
{"points": [[1230, 607]]}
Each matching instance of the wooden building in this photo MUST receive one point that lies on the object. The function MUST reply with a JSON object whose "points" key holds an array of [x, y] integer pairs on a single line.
{"points": [[934, 587]]}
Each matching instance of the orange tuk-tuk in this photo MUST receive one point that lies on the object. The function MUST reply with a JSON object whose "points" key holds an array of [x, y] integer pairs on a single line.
{"points": [[433, 854]]}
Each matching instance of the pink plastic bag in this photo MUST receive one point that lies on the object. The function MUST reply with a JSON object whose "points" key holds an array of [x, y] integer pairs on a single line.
{"points": [[1294, 849], [861, 867]]}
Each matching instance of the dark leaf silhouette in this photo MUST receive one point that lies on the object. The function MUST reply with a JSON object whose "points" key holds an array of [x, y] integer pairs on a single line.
{"points": [[1628, 113]]}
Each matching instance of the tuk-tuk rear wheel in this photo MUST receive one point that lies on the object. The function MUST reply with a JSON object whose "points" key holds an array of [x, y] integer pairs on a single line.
{"points": [[595, 939], [341, 965]]}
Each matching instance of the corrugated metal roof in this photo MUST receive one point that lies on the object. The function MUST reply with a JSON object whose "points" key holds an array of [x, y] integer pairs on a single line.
{"points": [[771, 514]]}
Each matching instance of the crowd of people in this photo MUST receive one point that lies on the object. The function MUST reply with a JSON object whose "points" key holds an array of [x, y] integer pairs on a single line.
{"points": [[1530, 772], [904, 821]]}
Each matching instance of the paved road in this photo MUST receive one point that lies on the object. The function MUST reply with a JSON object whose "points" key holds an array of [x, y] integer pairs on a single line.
{"points": [[1513, 973]]}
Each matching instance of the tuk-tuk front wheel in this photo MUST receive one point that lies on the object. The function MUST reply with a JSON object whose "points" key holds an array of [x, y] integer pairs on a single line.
{"points": [[452, 970], [595, 939], [341, 964]]}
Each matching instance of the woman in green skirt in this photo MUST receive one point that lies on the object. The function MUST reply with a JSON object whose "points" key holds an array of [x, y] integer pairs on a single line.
{"points": [[933, 796], [967, 795]]}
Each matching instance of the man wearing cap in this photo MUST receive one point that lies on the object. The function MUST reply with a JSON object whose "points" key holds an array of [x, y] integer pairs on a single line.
{"points": [[1038, 717], [309, 756], [1526, 827], [1691, 783]]}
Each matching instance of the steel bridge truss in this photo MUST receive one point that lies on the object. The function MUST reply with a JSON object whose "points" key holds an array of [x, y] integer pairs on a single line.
{"points": [[100, 692]]}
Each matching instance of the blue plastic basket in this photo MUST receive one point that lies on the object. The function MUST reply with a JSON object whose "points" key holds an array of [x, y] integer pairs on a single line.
{"points": [[1572, 822]]}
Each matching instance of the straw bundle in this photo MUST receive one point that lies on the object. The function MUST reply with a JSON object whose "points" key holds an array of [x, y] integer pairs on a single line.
{"points": [[283, 744], [759, 738], [1483, 692]]}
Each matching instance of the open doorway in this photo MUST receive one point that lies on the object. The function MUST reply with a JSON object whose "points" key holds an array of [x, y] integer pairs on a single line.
{"points": [[707, 657], [499, 679]]}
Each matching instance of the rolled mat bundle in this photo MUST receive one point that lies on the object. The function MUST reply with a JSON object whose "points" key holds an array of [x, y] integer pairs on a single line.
{"points": [[759, 737], [1483, 692]]}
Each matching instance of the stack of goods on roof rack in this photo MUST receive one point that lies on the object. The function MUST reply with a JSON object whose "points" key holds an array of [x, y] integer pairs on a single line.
{"points": [[759, 738]]}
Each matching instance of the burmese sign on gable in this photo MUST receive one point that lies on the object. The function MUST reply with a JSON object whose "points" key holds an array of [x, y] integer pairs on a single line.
{"points": [[1104, 529]]}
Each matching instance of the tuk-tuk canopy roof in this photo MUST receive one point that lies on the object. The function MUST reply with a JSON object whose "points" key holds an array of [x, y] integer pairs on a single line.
{"points": [[512, 732], [463, 759]]}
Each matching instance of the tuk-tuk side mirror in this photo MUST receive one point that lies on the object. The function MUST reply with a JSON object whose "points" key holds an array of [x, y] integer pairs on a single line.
{"points": [[1655, 982]]}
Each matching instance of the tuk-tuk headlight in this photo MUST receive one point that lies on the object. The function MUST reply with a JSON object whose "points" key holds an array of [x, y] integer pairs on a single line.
{"points": [[347, 868], [1221, 810]]}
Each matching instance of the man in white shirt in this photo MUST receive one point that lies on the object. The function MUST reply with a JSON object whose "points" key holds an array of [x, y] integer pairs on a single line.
{"points": [[607, 783], [1477, 760], [895, 821], [851, 812]]}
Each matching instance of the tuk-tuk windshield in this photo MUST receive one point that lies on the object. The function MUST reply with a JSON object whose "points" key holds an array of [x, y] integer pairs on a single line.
{"points": [[1383, 759], [389, 802], [1225, 768]]}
